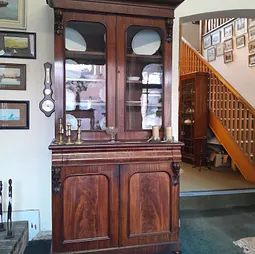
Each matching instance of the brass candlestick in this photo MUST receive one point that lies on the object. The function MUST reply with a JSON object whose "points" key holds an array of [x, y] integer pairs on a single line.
{"points": [[78, 139], [61, 132], [68, 134]]}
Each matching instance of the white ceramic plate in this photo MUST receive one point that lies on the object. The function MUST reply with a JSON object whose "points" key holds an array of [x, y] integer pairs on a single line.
{"points": [[146, 42], [152, 74], [133, 78], [70, 119], [74, 40], [71, 69]]}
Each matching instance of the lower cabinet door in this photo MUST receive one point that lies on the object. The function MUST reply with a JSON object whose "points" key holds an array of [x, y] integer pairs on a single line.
{"points": [[148, 204], [89, 207]]}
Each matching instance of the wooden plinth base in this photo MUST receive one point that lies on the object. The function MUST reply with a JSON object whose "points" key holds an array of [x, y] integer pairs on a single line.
{"points": [[174, 248]]}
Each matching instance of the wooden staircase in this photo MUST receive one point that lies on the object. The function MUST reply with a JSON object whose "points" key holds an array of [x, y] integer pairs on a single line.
{"points": [[231, 117]]}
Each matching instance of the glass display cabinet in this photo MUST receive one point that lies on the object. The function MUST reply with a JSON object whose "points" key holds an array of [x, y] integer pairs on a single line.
{"points": [[193, 116], [113, 191]]}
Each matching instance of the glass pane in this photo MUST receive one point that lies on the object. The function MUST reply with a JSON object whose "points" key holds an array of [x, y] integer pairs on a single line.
{"points": [[85, 67], [144, 78]]}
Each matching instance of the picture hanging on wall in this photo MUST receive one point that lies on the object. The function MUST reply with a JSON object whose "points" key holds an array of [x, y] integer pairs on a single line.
{"points": [[13, 14], [228, 45], [251, 34], [207, 41], [228, 32], [251, 22], [241, 26], [251, 47], [12, 76], [228, 57], [17, 45], [14, 114], [216, 38], [211, 54], [240, 41], [220, 49], [252, 60]]}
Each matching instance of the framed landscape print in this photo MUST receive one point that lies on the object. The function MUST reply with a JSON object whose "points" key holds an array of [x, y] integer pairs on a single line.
{"points": [[13, 14], [220, 49], [207, 41], [228, 45], [14, 114], [228, 57], [251, 33], [211, 54], [241, 26], [17, 45], [252, 60], [240, 41], [216, 38], [251, 22], [228, 31], [12, 76], [251, 47]]}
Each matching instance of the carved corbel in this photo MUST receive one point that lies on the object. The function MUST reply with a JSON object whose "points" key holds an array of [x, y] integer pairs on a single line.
{"points": [[56, 180], [169, 30], [176, 173], [59, 21]]}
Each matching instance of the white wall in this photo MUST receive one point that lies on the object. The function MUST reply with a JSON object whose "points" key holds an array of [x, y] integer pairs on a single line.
{"points": [[237, 73], [192, 10], [24, 154], [191, 32]]}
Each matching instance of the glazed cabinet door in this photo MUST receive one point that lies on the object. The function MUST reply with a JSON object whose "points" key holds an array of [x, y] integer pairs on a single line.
{"points": [[148, 204], [85, 73], [85, 209], [143, 77]]}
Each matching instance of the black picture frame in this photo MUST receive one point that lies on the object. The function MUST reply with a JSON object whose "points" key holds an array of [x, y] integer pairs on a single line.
{"points": [[14, 115], [15, 80], [17, 45]]}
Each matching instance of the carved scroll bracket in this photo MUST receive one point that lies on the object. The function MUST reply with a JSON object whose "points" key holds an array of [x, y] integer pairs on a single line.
{"points": [[176, 171], [169, 30], [56, 181], [59, 21]]}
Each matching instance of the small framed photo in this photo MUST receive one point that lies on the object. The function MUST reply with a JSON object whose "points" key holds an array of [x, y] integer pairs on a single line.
{"points": [[228, 57], [251, 47], [228, 45], [220, 49], [13, 14], [14, 114], [228, 31], [207, 41], [251, 34], [252, 60], [17, 45], [12, 76], [251, 22], [240, 26], [211, 54], [216, 39], [240, 41]]}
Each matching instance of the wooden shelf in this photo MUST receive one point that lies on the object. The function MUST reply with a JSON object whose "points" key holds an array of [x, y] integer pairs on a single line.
{"points": [[145, 56], [86, 55], [140, 85], [138, 104]]}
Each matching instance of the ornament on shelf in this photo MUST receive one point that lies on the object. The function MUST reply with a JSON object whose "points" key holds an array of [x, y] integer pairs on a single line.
{"points": [[1, 208], [9, 233]]}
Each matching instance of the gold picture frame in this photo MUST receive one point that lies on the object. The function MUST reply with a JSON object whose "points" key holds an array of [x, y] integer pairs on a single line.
{"points": [[13, 14]]}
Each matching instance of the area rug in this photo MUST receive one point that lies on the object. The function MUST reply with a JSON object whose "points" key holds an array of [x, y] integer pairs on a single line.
{"points": [[247, 244]]}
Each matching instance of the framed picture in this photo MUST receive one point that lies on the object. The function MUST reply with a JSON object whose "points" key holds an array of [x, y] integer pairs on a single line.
{"points": [[241, 26], [252, 60], [13, 14], [228, 57], [216, 38], [17, 44], [251, 34], [220, 49], [207, 41], [228, 45], [12, 76], [228, 31], [251, 22], [14, 114], [240, 41], [211, 54], [251, 47]]}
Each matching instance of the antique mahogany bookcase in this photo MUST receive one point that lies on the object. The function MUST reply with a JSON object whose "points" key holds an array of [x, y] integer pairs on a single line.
{"points": [[113, 69]]}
